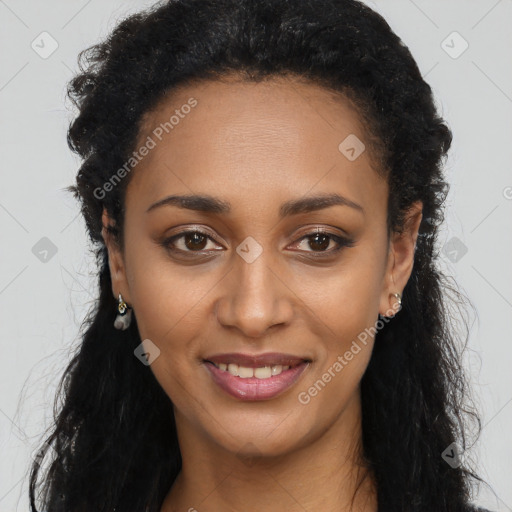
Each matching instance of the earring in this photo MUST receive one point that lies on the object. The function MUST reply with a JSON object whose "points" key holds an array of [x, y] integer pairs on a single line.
{"points": [[124, 318], [399, 299]]}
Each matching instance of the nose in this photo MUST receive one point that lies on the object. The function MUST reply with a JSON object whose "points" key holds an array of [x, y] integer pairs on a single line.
{"points": [[254, 297]]}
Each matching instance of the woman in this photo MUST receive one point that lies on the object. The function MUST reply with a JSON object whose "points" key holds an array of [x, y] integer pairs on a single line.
{"points": [[263, 183]]}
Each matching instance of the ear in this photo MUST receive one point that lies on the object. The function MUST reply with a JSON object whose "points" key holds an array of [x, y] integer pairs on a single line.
{"points": [[115, 260], [400, 259]]}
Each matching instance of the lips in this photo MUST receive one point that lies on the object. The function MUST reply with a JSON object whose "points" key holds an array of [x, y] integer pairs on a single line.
{"points": [[255, 377]]}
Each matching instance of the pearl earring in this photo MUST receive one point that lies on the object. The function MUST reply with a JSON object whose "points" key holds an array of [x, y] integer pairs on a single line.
{"points": [[124, 318]]}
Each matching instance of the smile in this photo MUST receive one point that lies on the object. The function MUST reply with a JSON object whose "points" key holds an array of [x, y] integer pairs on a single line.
{"points": [[245, 372], [254, 377]]}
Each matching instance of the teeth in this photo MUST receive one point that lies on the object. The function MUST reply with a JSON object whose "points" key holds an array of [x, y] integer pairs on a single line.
{"points": [[245, 373], [277, 369], [264, 372]]}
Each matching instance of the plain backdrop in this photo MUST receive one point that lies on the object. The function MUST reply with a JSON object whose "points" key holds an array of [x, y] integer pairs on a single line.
{"points": [[463, 49]]}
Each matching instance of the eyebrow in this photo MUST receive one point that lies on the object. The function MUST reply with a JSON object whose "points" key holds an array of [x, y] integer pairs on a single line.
{"points": [[209, 204]]}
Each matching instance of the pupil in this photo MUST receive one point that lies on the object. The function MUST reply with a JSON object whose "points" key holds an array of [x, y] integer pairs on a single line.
{"points": [[196, 238], [315, 238]]}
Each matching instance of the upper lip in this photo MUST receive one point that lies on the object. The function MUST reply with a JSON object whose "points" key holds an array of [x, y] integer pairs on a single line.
{"points": [[257, 361]]}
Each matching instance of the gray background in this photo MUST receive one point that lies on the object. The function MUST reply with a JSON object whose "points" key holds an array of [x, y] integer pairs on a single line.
{"points": [[44, 296]]}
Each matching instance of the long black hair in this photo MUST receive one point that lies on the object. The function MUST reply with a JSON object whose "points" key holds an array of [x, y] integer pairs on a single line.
{"points": [[114, 432]]}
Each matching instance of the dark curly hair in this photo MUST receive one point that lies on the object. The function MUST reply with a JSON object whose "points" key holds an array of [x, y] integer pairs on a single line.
{"points": [[114, 432]]}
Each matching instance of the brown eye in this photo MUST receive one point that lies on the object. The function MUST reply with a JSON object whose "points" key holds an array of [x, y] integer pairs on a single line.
{"points": [[195, 241], [319, 241], [189, 242]]}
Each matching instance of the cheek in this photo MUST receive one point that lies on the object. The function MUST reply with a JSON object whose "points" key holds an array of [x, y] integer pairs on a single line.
{"points": [[347, 320], [169, 305], [173, 321], [345, 302], [345, 326], [166, 296], [345, 299]]}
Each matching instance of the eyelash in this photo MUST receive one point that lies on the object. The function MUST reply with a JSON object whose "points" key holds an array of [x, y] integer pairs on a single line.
{"points": [[340, 240]]}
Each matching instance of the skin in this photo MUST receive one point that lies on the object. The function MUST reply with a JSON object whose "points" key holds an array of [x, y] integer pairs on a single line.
{"points": [[256, 146]]}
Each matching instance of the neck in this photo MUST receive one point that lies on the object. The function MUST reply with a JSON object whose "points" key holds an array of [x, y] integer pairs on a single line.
{"points": [[326, 474]]}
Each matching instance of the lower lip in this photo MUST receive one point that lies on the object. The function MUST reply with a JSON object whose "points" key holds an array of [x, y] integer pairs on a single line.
{"points": [[254, 388]]}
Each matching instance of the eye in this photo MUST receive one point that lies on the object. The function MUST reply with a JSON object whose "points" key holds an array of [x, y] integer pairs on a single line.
{"points": [[322, 242], [189, 241], [319, 242]]}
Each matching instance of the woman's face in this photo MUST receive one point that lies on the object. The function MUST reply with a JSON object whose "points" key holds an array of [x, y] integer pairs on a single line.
{"points": [[257, 279]]}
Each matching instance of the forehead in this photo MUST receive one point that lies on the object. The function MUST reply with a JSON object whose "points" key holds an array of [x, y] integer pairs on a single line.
{"points": [[238, 139]]}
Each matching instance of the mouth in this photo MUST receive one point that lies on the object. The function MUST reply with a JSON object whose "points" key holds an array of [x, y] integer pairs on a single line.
{"points": [[262, 377]]}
